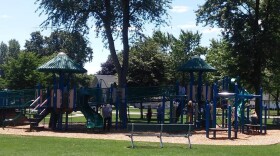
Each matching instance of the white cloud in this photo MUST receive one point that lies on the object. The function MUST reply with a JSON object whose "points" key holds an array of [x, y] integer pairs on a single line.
{"points": [[4, 16], [179, 9], [186, 26], [211, 30]]}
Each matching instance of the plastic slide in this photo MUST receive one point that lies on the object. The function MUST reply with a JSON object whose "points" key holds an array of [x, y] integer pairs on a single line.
{"points": [[12, 120], [240, 104], [94, 119]]}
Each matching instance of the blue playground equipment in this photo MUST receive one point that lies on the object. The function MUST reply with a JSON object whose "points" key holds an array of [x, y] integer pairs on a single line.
{"points": [[199, 66], [233, 110], [13, 104]]}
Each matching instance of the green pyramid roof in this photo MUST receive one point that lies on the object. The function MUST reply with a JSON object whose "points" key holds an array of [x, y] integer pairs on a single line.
{"points": [[62, 63], [196, 64]]}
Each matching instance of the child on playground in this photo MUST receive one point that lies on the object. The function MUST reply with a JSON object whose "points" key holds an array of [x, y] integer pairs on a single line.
{"points": [[149, 113], [189, 112], [254, 118], [107, 116], [159, 114]]}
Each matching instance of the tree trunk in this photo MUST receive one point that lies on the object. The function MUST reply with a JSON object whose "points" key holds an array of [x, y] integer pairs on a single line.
{"points": [[258, 60], [122, 80], [121, 68]]}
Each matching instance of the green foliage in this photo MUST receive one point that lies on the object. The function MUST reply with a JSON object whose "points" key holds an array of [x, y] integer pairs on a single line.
{"points": [[252, 30], [154, 60], [219, 56], [82, 80], [21, 73], [36, 44], [108, 18], [3, 52], [186, 46], [147, 64], [2, 83], [14, 48], [108, 67], [74, 44]]}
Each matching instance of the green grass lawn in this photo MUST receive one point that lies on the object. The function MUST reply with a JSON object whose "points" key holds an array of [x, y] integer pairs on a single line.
{"points": [[31, 145]]}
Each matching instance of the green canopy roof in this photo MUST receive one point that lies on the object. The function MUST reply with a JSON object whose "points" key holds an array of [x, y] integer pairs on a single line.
{"points": [[62, 63], [196, 64]]}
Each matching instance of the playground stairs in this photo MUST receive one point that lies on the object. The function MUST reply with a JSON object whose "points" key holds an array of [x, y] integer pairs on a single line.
{"points": [[36, 116]]}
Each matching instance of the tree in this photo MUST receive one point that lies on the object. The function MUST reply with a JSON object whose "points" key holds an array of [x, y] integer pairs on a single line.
{"points": [[108, 67], [3, 52], [164, 55], [165, 40], [248, 26], [36, 44], [14, 48], [109, 17], [147, 64], [183, 48], [73, 44], [21, 73], [219, 56]]}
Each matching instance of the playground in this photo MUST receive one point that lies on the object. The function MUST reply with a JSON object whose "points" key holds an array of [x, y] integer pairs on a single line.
{"points": [[223, 109]]}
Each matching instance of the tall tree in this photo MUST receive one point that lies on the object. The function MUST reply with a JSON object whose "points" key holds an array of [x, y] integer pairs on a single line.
{"points": [[109, 17], [245, 27], [14, 48], [36, 44], [165, 40], [147, 64], [219, 56], [183, 48], [3, 52], [74, 44]]}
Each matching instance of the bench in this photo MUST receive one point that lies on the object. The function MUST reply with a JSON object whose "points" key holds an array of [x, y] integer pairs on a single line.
{"points": [[214, 130], [254, 128], [159, 130]]}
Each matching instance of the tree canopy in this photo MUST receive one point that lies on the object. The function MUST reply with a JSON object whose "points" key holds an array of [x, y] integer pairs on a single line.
{"points": [[111, 19], [147, 64], [251, 29], [21, 73], [108, 67], [154, 60], [74, 44]]}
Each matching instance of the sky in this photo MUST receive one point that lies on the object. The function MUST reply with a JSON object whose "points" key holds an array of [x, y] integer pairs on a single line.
{"points": [[18, 19]]}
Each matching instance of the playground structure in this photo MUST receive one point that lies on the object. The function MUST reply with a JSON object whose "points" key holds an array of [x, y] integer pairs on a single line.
{"points": [[12, 104], [21, 107], [199, 66], [39, 103], [233, 112]]}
